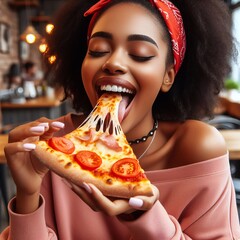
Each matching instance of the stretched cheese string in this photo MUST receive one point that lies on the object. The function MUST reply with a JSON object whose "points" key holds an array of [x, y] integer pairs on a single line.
{"points": [[104, 116]]}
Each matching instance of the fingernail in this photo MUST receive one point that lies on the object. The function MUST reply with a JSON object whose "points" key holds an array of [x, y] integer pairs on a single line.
{"points": [[58, 124], [86, 187], [37, 129], [29, 146], [135, 202], [43, 124]]}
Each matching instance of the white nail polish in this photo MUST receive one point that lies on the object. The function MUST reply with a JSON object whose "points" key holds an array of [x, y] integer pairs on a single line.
{"points": [[37, 129], [135, 202], [58, 124], [86, 187], [29, 146], [43, 124]]}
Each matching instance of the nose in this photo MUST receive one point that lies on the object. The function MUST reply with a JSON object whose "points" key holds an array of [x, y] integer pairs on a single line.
{"points": [[115, 64]]}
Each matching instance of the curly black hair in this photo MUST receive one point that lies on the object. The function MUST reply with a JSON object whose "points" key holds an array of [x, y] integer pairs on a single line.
{"points": [[197, 84]]}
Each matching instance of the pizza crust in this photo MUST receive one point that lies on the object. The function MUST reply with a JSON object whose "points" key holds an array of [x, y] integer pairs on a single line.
{"points": [[102, 134], [59, 163]]}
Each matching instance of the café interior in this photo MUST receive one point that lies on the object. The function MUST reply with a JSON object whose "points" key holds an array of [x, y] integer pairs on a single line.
{"points": [[23, 25]]}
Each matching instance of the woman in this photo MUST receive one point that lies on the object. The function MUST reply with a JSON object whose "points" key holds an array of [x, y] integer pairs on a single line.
{"points": [[140, 46]]}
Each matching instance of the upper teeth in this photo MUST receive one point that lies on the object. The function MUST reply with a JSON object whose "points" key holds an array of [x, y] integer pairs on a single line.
{"points": [[115, 88]]}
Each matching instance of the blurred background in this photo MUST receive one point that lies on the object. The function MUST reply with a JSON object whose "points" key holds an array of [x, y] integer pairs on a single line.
{"points": [[27, 93], [23, 25]]}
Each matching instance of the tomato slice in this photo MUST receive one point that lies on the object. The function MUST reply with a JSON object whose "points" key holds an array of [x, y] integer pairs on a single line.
{"points": [[62, 144], [88, 160], [126, 168]]}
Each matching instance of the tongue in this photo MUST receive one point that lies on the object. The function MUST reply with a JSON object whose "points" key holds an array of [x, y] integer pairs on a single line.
{"points": [[122, 108]]}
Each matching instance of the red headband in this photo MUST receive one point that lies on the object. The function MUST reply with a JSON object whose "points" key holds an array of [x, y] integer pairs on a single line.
{"points": [[172, 18]]}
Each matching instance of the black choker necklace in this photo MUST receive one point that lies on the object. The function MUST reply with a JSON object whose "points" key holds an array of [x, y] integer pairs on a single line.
{"points": [[144, 138]]}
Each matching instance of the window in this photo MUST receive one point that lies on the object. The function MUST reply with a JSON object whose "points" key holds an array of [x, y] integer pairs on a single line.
{"points": [[236, 33]]}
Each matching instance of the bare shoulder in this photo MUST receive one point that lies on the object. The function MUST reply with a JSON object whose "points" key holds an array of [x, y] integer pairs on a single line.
{"points": [[197, 141]]}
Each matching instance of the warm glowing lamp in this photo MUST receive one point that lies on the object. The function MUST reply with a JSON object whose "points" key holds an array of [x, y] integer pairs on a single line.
{"points": [[30, 35], [52, 59], [43, 46], [49, 28]]}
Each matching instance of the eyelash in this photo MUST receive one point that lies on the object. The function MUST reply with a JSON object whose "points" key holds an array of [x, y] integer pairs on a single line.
{"points": [[134, 57], [140, 58], [96, 54]]}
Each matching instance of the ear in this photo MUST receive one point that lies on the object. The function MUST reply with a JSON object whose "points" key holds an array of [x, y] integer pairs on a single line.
{"points": [[168, 79]]}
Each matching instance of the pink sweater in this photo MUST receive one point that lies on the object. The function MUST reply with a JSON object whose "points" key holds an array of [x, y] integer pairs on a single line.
{"points": [[198, 199]]}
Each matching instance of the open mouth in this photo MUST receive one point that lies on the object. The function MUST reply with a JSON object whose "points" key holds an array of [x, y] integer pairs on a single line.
{"points": [[125, 92], [127, 97], [116, 89]]}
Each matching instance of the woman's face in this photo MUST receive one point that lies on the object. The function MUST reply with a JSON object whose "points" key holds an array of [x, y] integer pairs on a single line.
{"points": [[127, 51]]}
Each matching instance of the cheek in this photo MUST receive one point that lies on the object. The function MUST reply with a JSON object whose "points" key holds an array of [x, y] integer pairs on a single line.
{"points": [[87, 74], [150, 78], [89, 71]]}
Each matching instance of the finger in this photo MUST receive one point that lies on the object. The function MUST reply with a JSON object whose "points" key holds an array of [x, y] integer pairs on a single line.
{"points": [[57, 125], [143, 202], [13, 148], [50, 127], [54, 127], [112, 208], [82, 192], [84, 195], [43, 128], [16, 148], [27, 130]]}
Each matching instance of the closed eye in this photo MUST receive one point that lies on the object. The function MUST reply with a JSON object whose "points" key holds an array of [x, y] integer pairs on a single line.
{"points": [[97, 53], [140, 58]]}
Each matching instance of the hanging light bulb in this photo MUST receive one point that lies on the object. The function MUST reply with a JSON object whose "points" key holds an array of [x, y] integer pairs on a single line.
{"points": [[43, 46], [30, 35], [49, 28], [52, 59]]}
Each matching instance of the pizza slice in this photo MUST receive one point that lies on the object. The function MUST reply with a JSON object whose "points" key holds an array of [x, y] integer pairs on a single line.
{"points": [[97, 152]]}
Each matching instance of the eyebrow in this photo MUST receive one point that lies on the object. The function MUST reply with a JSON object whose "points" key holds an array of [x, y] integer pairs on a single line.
{"points": [[139, 37], [102, 34], [133, 37]]}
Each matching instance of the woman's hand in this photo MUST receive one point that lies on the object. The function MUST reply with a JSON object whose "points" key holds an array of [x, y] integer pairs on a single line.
{"points": [[94, 198], [27, 172]]}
